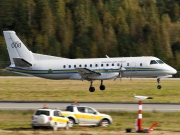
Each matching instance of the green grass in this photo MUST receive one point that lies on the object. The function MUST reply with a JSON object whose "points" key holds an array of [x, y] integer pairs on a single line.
{"points": [[67, 90], [170, 121]]}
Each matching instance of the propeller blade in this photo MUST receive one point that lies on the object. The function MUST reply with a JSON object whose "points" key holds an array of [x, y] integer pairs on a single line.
{"points": [[120, 72]]}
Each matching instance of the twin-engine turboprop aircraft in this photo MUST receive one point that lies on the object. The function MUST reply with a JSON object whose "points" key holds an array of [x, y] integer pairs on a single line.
{"points": [[24, 61]]}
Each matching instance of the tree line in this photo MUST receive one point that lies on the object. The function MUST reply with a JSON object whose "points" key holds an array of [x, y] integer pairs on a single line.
{"points": [[94, 28]]}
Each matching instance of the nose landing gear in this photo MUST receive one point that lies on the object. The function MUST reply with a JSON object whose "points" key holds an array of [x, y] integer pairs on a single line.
{"points": [[158, 81]]}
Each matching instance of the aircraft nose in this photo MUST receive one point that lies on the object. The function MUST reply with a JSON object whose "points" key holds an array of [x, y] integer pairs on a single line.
{"points": [[171, 70], [174, 71]]}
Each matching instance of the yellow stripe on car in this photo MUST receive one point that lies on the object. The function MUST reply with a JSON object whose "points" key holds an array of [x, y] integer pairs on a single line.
{"points": [[59, 120]]}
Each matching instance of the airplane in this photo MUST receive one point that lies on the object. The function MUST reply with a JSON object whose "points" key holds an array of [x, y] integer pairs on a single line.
{"points": [[24, 61]]}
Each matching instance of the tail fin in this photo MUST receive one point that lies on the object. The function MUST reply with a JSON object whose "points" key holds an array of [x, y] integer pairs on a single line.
{"points": [[17, 50]]}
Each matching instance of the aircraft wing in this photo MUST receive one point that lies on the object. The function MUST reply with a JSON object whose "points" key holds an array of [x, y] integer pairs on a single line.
{"points": [[84, 72]]}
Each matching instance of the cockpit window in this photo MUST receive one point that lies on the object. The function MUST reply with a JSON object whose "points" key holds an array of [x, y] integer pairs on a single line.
{"points": [[160, 61], [153, 62]]}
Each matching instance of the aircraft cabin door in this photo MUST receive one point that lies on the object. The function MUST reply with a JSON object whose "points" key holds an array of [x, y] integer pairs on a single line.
{"points": [[133, 68]]}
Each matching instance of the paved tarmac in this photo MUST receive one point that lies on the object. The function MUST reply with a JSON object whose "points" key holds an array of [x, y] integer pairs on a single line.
{"points": [[158, 107]]}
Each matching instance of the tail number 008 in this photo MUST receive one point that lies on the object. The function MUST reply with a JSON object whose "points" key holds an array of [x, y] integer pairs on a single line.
{"points": [[16, 45]]}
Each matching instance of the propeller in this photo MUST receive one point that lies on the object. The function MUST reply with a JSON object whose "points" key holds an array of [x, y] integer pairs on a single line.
{"points": [[121, 72]]}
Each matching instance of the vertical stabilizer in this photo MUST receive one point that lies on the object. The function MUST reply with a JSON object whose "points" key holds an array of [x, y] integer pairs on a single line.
{"points": [[16, 48]]}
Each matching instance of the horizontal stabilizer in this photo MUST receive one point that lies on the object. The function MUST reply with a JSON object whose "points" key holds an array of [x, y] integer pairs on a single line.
{"points": [[19, 62]]}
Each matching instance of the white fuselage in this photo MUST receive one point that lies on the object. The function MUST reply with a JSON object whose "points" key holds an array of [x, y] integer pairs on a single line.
{"points": [[107, 67], [23, 61]]}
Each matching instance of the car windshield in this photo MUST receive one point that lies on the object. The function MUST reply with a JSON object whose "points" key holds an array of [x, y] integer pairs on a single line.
{"points": [[160, 61], [89, 110]]}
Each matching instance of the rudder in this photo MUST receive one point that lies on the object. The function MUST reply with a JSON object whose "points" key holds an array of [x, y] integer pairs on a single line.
{"points": [[16, 48]]}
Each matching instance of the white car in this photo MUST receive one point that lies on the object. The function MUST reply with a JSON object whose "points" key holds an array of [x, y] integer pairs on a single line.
{"points": [[84, 115], [49, 118]]}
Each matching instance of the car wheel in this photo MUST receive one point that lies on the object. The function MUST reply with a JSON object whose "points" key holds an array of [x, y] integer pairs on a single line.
{"points": [[35, 127], [55, 126], [67, 126], [105, 123], [71, 122], [42, 119]]}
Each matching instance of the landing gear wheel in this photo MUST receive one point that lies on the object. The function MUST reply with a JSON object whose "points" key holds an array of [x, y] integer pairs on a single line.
{"points": [[159, 86], [91, 89], [102, 87]]}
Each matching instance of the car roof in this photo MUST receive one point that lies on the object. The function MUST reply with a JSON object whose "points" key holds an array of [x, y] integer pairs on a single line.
{"points": [[47, 109]]}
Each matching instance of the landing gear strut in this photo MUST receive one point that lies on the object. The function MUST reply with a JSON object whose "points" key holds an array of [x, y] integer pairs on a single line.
{"points": [[91, 88], [102, 87], [158, 81]]}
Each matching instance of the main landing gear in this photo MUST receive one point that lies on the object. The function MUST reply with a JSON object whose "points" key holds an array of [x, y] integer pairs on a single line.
{"points": [[102, 87], [92, 89], [158, 81]]}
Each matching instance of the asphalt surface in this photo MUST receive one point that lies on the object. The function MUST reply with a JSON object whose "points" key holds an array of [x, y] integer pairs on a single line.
{"points": [[159, 107]]}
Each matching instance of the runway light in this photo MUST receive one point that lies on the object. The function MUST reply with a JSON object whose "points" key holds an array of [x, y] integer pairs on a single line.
{"points": [[138, 122]]}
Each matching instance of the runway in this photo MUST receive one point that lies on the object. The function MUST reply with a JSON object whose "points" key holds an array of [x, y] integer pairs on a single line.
{"points": [[158, 107]]}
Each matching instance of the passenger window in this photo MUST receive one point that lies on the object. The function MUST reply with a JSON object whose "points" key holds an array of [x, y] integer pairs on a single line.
{"points": [[113, 64], [69, 66], [79, 65], [118, 64], [56, 113], [101, 65], [90, 65], [141, 64], [96, 65], [81, 109], [74, 66], [85, 65], [107, 65], [127, 64], [153, 62], [64, 66]]}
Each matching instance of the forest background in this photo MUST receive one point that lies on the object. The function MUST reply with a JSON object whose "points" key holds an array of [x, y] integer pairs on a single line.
{"points": [[94, 28]]}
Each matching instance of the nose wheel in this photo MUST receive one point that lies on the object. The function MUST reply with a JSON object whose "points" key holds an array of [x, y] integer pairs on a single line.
{"points": [[102, 87], [91, 88], [159, 85]]}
